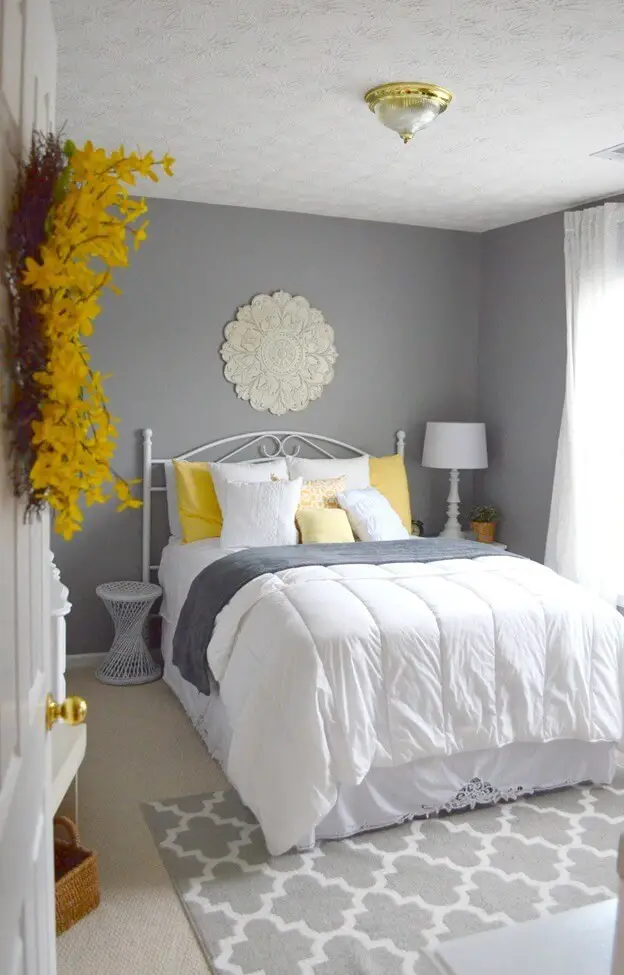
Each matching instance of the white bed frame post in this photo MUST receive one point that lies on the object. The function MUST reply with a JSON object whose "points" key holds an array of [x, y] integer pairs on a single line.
{"points": [[400, 443], [147, 504]]}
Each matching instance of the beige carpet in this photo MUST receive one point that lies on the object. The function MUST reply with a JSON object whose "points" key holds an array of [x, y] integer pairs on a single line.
{"points": [[140, 747]]}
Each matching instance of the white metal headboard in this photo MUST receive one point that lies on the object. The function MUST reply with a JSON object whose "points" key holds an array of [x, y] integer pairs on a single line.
{"points": [[269, 444]]}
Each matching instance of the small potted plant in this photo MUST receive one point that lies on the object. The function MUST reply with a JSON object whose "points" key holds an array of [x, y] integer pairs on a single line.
{"points": [[483, 521]]}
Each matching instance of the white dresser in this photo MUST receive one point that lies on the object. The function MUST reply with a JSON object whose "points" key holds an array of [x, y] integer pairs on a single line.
{"points": [[69, 742]]}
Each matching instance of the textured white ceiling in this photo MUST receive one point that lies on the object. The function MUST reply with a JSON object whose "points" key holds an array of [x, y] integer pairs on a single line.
{"points": [[261, 101]]}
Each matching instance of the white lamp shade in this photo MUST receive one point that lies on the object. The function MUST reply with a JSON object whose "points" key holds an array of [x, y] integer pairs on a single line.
{"points": [[455, 446]]}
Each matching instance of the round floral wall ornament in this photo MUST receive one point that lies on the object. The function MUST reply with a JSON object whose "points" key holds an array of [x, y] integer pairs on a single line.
{"points": [[279, 353]]}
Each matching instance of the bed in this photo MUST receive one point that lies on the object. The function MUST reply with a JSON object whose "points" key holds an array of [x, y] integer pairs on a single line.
{"points": [[531, 698]]}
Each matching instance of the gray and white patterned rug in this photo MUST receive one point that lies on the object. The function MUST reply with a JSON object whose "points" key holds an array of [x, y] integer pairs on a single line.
{"points": [[377, 904]]}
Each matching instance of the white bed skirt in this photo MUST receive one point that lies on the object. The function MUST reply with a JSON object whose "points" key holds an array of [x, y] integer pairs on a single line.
{"points": [[392, 795]]}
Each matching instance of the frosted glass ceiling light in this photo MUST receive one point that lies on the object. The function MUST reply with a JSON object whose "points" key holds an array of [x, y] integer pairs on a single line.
{"points": [[406, 106]]}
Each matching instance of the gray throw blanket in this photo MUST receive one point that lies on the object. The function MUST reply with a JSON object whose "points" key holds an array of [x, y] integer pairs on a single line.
{"points": [[215, 585]]}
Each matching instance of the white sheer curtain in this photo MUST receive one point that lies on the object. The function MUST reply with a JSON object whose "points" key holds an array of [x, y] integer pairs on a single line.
{"points": [[586, 530]]}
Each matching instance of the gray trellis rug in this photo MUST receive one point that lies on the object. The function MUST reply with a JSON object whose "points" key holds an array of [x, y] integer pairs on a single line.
{"points": [[377, 904]]}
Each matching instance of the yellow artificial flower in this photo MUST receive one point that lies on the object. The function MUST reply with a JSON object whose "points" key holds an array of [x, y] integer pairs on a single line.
{"points": [[122, 490], [37, 276], [75, 435], [168, 163], [140, 235], [95, 495]]}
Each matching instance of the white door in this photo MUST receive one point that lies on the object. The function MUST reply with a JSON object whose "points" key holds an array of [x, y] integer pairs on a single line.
{"points": [[27, 939]]}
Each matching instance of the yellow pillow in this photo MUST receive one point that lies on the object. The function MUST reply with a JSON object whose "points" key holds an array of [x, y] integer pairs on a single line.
{"points": [[324, 525], [322, 494], [387, 474], [200, 514]]}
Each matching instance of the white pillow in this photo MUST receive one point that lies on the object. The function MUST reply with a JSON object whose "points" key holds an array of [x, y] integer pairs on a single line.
{"points": [[371, 516], [227, 471], [260, 513], [355, 469], [250, 473]]}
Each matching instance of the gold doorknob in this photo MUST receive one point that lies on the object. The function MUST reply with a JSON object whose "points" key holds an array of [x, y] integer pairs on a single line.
{"points": [[73, 710]]}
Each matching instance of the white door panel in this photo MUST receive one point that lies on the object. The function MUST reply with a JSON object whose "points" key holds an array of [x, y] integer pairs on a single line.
{"points": [[39, 78], [11, 63], [27, 939]]}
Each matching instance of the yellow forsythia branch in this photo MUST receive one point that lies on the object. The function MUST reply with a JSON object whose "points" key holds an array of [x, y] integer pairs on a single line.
{"points": [[90, 228]]}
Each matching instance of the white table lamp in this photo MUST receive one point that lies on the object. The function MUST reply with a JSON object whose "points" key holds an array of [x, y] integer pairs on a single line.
{"points": [[454, 447]]}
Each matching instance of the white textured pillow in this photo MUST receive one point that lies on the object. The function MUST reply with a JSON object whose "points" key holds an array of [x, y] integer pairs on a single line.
{"points": [[372, 517], [355, 469], [227, 471], [249, 473], [260, 513]]}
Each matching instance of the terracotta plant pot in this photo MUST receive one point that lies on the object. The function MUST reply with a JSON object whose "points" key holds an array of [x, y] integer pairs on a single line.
{"points": [[484, 530]]}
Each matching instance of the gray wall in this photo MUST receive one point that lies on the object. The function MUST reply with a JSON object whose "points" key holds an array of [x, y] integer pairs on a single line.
{"points": [[404, 304], [522, 356]]}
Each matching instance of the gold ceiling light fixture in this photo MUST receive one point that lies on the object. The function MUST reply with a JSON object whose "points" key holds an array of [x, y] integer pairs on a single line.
{"points": [[406, 106]]}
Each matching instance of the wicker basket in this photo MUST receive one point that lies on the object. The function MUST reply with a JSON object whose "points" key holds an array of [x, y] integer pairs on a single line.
{"points": [[484, 530], [77, 888]]}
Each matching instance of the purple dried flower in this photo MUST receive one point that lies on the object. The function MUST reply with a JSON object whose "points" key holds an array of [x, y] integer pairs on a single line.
{"points": [[39, 180]]}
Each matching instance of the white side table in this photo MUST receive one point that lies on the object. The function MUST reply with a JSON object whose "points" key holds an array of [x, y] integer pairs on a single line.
{"points": [[128, 661], [69, 743]]}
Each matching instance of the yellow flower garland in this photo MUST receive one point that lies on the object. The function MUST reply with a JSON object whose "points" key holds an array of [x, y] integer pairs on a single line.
{"points": [[75, 437]]}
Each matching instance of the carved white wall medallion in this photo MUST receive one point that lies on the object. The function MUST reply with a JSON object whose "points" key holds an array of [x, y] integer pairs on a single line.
{"points": [[279, 353]]}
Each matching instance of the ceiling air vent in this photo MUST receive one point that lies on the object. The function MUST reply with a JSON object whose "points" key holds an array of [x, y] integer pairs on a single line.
{"points": [[614, 152]]}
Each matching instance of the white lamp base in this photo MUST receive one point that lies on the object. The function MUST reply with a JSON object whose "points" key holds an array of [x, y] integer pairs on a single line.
{"points": [[452, 529]]}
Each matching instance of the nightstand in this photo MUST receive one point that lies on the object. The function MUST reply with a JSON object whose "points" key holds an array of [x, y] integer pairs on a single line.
{"points": [[471, 537]]}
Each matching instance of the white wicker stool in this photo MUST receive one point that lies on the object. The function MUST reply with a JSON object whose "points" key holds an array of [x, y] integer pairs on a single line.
{"points": [[128, 661]]}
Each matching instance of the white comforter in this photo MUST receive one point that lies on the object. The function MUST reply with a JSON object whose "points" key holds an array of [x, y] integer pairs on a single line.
{"points": [[326, 672]]}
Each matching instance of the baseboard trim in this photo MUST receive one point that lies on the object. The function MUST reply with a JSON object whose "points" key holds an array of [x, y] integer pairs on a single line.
{"points": [[76, 660]]}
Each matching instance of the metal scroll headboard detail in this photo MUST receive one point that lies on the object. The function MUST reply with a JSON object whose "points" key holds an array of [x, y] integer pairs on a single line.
{"points": [[269, 444]]}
